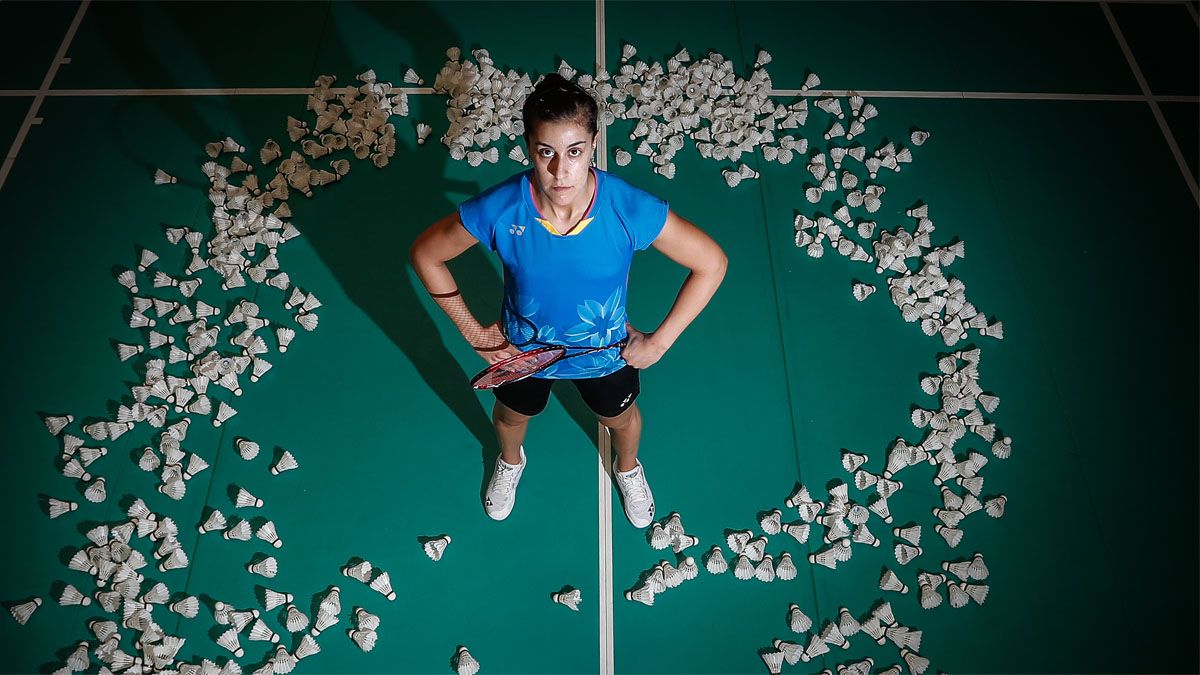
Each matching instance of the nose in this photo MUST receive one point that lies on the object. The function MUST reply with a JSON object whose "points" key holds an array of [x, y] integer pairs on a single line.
{"points": [[555, 166]]}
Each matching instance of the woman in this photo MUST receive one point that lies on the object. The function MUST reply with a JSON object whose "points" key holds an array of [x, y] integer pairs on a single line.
{"points": [[566, 233]]}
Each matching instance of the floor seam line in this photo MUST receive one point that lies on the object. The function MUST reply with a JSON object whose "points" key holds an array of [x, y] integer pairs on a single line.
{"points": [[787, 380]]}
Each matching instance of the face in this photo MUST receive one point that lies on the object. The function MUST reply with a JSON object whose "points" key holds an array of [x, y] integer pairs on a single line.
{"points": [[562, 154]]}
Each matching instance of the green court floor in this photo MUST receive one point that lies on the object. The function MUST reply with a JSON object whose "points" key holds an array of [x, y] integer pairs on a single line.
{"points": [[1080, 234]]}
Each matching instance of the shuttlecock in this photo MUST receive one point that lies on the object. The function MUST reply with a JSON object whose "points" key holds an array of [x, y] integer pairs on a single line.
{"points": [[247, 448], [906, 554], [246, 500], [888, 581], [383, 584], [785, 569], [643, 594], [770, 522], [267, 567], [434, 548], [714, 561], [25, 610], [862, 291], [917, 664], [362, 571], [569, 598], [797, 620], [327, 611], [229, 640], [268, 534], [57, 507], [187, 607], [464, 663], [286, 462], [773, 660], [910, 534], [296, 620]]}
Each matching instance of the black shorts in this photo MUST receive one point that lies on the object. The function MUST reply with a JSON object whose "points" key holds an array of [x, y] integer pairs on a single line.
{"points": [[607, 396]]}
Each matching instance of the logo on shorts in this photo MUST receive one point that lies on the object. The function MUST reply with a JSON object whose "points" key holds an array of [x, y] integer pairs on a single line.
{"points": [[516, 229], [626, 401]]}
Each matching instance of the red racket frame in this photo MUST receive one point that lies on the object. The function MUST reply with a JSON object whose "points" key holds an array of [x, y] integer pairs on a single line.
{"points": [[540, 350]]}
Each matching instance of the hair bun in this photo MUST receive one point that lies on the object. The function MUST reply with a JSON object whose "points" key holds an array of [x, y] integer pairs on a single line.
{"points": [[554, 98], [551, 80]]}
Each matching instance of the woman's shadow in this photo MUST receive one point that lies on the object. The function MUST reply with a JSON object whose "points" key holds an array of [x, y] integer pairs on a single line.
{"points": [[366, 247], [365, 242]]}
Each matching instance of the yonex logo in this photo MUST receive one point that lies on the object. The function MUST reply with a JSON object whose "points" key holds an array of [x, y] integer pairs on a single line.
{"points": [[516, 229]]}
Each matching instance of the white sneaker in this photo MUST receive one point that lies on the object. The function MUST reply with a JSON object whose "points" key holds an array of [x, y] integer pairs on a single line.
{"points": [[502, 488], [636, 495]]}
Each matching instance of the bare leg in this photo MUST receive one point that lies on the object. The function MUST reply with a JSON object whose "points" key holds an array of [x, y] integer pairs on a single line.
{"points": [[626, 430], [510, 431]]}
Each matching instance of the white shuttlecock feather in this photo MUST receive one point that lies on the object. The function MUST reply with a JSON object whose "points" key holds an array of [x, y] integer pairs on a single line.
{"points": [[568, 598]]}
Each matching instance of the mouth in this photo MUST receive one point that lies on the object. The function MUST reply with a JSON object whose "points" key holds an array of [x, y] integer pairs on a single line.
{"points": [[561, 188]]}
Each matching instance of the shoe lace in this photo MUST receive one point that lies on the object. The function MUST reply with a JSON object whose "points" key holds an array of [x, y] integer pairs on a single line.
{"points": [[634, 490], [503, 480]]}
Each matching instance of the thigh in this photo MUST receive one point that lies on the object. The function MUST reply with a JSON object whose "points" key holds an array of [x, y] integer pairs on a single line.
{"points": [[527, 396], [612, 394]]}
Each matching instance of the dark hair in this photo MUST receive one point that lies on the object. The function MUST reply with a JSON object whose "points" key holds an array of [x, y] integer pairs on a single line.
{"points": [[556, 98]]}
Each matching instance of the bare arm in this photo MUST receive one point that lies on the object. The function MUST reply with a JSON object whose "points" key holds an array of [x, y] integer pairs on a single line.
{"points": [[443, 241], [686, 244]]}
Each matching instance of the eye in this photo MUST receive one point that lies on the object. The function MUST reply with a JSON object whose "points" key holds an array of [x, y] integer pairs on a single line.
{"points": [[575, 152], [546, 152]]}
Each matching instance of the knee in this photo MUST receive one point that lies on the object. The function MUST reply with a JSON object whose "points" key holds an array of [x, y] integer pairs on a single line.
{"points": [[627, 417]]}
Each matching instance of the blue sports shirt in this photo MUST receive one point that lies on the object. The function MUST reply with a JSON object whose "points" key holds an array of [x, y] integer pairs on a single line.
{"points": [[572, 286]]}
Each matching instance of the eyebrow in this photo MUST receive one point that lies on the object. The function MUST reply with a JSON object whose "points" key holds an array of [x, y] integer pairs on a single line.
{"points": [[569, 146]]}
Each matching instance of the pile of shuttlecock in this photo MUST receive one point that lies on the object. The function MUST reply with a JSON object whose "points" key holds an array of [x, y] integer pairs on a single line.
{"points": [[185, 325], [183, 336]]}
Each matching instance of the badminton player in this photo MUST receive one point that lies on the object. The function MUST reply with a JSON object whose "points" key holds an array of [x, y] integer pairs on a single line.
{"points": [[566, 233]]}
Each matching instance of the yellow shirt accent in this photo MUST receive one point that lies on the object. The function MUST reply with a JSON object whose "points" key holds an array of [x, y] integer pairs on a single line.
{"points": [[578, 228]]}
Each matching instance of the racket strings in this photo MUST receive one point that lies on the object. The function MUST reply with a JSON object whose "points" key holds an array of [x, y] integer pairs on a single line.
{"points": [[519, 330], [519, 366]]}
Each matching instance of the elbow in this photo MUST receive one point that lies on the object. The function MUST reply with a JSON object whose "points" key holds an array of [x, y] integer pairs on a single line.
{"points": [[720, 266], [414, 253]]}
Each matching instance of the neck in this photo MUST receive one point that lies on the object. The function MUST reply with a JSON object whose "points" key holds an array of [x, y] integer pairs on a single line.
{"points": [[573, 211]]}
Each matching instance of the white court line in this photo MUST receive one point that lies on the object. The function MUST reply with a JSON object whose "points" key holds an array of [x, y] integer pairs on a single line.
{"points": [[812, 93], [213, 91], [1111, 2], [604, 441], [1158, 116], [988, 95], [1192, 10], [31, 118]]}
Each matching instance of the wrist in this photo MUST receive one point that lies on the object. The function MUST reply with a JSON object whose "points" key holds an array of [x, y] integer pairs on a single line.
{"points": [[661, 338]]}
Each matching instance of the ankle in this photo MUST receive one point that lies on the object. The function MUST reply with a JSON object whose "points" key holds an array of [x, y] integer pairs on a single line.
{"points": [[512, 458], [624, 466]]}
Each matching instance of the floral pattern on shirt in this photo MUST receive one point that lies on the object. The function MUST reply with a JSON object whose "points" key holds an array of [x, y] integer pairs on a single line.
{"points": [[527, 308], [599, 323]]}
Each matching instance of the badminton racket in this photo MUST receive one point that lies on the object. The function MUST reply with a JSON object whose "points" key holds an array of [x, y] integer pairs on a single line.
{"points": [[525, 364]]}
